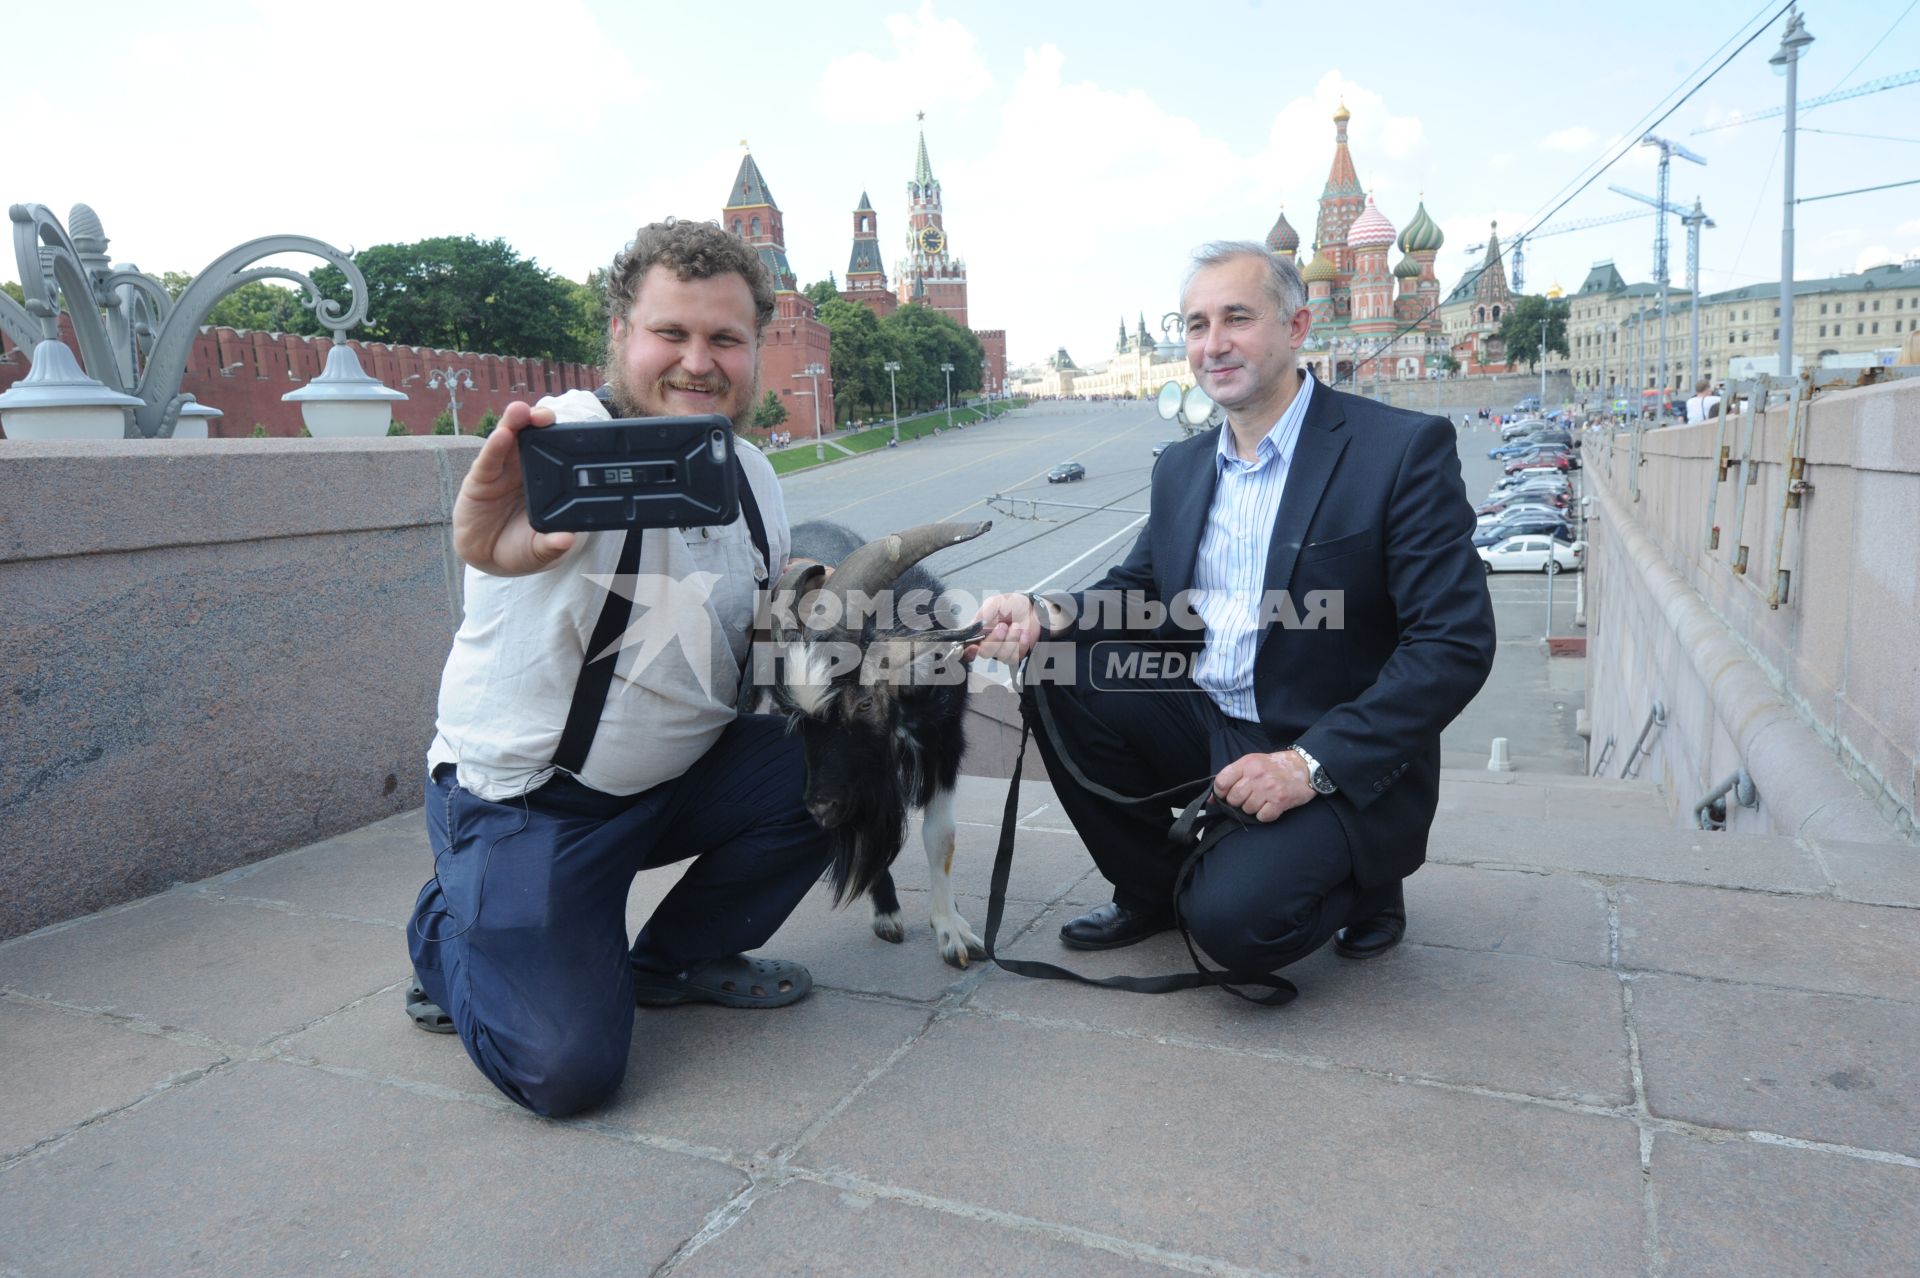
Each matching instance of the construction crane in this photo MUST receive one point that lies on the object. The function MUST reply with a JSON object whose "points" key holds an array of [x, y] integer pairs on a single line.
{"points": [[1872, 86], [1660, 272], [1693, 219], [1516, 247]]}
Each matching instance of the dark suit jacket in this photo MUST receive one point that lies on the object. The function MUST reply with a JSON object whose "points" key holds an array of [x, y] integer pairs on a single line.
{"points": [[1374, 508]]}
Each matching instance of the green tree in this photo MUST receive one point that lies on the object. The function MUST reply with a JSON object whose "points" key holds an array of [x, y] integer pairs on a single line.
{"points": [[1520, 329], [769, 412], [820, 292], [487, 423], [1449, 362], [922, 339], [14, 291], [254, 305], [859, 349], [466, 294], [443, 424], [396, 428], [590, 317]]}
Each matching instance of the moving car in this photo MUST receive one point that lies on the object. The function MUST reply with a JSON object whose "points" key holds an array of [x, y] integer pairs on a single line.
{"points": [[1066, 473], [1533, 554]]}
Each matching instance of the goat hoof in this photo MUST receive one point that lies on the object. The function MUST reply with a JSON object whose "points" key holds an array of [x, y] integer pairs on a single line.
{"points": [[890, 927]]}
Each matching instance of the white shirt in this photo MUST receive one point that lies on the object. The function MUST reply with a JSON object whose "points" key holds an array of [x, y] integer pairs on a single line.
{"points": [[1230, 573], [509, 680], [1699, 406]]}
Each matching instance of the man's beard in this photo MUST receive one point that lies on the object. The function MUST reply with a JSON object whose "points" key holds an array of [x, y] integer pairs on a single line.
{"points": [[650, 400]]}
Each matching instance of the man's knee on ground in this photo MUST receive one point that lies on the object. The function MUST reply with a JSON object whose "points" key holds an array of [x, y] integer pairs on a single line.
{"points": [[1238, 935], [571, 1079]]}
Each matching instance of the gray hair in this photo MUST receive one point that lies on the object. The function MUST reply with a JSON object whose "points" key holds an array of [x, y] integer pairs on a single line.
{"points": [[1284, 284]]}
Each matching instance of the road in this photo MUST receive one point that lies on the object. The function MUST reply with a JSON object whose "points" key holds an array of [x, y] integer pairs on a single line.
{"points": [[1061, 536]]}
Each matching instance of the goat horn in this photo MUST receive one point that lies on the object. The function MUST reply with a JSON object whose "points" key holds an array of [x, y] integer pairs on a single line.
{"points": [[878, 564]]}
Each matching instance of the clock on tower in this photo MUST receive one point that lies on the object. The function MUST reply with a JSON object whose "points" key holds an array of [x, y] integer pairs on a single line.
{"points": [[932, 241]]}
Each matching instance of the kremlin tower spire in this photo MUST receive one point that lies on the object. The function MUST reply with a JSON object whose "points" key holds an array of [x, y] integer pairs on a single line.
{"points": [[929, 274]]}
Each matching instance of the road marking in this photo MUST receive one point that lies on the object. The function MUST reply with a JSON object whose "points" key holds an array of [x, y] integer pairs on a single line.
{"points": [[1096, 545]]}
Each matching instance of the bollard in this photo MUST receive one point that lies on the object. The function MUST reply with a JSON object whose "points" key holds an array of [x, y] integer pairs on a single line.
{"points": [[1500, 762]]}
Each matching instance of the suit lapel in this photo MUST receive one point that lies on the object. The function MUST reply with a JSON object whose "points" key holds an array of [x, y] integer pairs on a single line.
{"points": [[1323, 438], [1194, 500]]}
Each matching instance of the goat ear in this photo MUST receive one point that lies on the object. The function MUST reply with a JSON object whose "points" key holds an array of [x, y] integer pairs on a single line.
{"points": [[792, 598]]}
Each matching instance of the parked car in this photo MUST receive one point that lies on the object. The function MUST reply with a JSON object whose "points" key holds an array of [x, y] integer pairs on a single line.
{"points": [[1538, 461], [1493, 512], [1524, 526], [1533, 554], [1066, 473], [1163, 446]]}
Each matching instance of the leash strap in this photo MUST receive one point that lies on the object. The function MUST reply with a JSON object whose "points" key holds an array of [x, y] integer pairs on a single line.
{"points": [[1201, 824], [596, 674]]}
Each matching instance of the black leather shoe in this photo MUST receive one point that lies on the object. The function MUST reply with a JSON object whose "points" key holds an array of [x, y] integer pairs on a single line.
{"points": [[1113, 925], [1370, 938]]}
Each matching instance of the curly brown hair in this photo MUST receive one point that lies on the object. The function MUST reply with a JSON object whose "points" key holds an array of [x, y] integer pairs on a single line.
{"points": [[694, 251]]}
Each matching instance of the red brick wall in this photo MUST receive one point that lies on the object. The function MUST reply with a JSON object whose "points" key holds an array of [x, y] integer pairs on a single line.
{"points": [[244, 374], [792, 341], [993, 349]]}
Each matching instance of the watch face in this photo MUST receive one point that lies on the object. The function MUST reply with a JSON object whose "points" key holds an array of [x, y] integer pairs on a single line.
{"points": [[931, 240]]}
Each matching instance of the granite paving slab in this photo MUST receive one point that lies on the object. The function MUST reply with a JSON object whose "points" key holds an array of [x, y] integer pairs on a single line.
{"points": [[374, 872], [1741, 1208], [1765, 862], [269, 1168], [1877, 873], [1559, 916], [1633, 809], [1803, 942], [737, 1080], [1815, 1066], [1478, 798], [1508, 1022], [1259, 1163], [63, 1068], [233, 972], [803, 1228], [1046, 861]]}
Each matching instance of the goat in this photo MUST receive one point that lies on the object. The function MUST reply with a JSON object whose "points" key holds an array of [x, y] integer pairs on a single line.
{"points": [[879, 705]]}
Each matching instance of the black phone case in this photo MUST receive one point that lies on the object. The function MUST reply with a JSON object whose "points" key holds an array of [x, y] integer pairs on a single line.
{"points": [[639, 472]]}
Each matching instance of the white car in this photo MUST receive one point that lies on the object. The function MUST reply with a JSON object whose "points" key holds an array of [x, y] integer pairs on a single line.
{"points": [[1533, 553]]}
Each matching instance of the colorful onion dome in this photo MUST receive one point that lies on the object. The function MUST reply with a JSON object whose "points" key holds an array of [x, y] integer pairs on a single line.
{"points": [[1283, 238], [1371, 229], [1407, 269], [1422, 234], [1319, 269]]}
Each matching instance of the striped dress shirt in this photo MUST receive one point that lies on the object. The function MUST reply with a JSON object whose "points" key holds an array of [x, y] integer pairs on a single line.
{"points": [[1230, 574]]}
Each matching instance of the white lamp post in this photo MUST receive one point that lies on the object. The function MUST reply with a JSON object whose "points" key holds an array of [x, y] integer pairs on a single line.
{"points": [[343, 401], [893, 366], [948, 370], [1786, 60], [454, 379], [136, 337], [812, 373]]}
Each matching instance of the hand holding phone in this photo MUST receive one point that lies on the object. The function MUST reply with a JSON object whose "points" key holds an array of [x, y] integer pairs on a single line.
{"points": [[490, 527]]}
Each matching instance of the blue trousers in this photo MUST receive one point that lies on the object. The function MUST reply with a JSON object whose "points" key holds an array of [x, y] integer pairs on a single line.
{"points": [[521, 934]]}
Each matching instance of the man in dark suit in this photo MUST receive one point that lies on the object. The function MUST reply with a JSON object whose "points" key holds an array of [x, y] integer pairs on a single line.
{"points": [[1313, 560]]}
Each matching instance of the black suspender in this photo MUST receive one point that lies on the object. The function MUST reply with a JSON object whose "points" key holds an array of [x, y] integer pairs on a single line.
{"points": [[596, 673]]}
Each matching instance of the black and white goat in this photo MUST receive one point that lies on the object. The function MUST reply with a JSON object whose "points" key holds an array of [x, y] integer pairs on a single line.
{"points": [[865, 664]]}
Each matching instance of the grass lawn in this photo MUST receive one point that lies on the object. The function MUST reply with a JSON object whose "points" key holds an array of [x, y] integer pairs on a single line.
{"points": [[799, 456]]}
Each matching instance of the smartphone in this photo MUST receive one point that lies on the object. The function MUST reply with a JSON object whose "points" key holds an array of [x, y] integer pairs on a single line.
{"points": [[635, 472]]}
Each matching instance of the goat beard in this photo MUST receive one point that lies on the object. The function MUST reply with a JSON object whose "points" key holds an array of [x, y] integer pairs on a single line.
{"points": [[865, 847]]}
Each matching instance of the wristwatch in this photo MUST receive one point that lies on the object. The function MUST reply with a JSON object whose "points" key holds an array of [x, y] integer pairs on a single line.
{"points": [[1316, 775]]}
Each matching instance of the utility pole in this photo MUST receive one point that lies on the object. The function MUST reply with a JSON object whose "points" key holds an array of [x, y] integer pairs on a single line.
{"points": [[1793, 41], [1543, 366]]}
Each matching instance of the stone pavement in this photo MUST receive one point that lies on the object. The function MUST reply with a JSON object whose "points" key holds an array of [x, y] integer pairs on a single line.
{"points": [[1608, 1046]]}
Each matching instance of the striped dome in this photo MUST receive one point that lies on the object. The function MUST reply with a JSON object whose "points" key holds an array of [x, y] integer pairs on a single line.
{"points": [[1407, 269], [1422, 234], [1283, 238], [1371, 229], [1319, 269]]}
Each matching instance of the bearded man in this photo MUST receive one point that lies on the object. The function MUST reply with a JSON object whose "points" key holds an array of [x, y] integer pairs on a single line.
{"points": [[568, 757]]}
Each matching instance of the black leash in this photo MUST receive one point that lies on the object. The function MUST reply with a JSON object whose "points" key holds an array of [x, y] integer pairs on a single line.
{"points": [[1200, 825]]}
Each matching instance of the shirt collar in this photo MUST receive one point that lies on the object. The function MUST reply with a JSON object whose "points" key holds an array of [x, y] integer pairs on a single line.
{"points": [[1277, 442]]}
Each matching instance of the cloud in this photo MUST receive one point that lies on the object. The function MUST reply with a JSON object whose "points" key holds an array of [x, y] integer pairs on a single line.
{"points": [[1883, 255], [1577, 140], [933, 60]]}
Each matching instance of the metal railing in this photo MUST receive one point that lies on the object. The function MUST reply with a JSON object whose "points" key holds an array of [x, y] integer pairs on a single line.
{"points": [[1656, 718], [1711, 812], [1606, 752]]}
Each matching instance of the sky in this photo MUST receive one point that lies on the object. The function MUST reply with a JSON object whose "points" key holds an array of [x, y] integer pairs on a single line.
{"points": [[1083, 149]]}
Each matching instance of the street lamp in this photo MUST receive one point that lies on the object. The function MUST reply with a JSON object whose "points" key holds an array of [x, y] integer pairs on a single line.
{"points": [[948, 370], [135, 340], [453, 379], [1787, 61], [812, 373], [893, 366], [1543, 366]]}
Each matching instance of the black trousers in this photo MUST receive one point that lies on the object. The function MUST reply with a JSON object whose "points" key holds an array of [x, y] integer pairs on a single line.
{"points": [[1268, 894]]}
